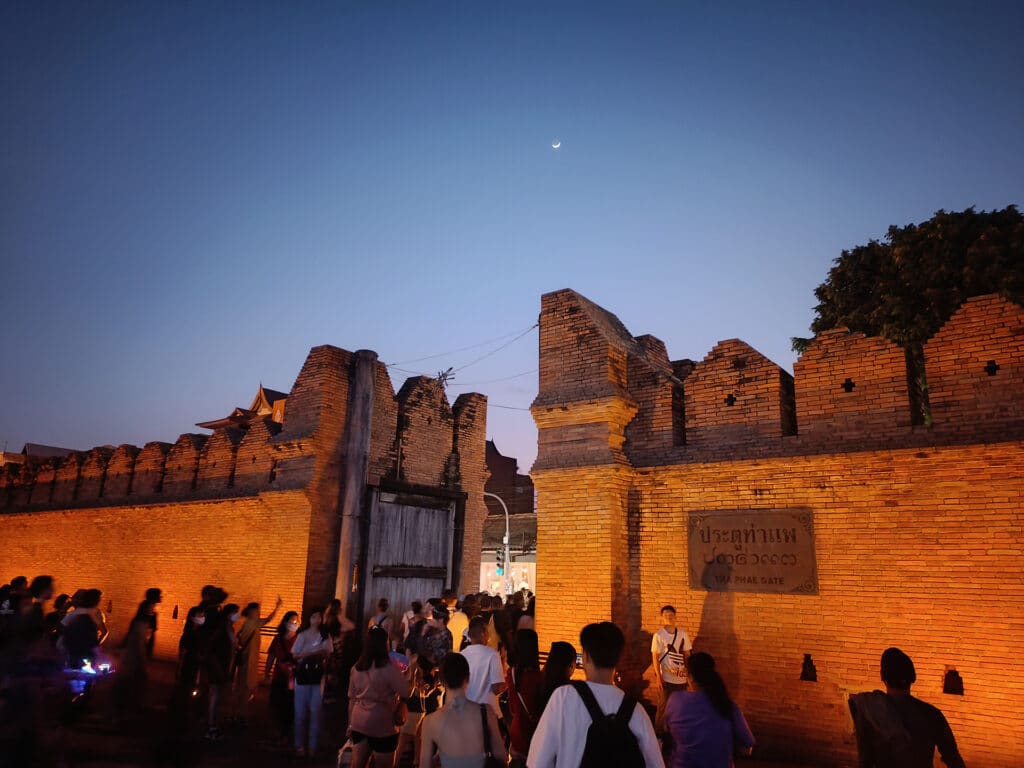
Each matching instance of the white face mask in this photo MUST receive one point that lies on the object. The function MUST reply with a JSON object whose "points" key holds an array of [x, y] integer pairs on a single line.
{"points": [[199, 620], [235, 616], [292, 626]]}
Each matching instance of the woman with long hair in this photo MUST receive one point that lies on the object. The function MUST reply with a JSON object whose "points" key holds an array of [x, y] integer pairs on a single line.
{"points": [[376, 688], [338, 626], [311, 649], [525, 684], [132, 668], [247, 675], [557, 671], [280, 665], [706, 726], [461, 732]]}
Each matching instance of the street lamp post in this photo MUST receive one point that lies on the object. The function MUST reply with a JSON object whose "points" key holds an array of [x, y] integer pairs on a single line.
{"points": [[508, 555]]}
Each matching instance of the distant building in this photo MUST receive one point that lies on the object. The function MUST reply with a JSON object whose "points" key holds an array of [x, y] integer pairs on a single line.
{"points": [[516, 490], [268, 404], [34, 453]]}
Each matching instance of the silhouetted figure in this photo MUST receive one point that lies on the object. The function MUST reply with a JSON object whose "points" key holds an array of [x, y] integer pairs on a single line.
{"points": [[896, 730]]}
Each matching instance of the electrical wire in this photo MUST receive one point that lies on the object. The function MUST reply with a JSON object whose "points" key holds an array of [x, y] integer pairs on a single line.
{"points": [[494, 381], [463, 349], [497, 350]]}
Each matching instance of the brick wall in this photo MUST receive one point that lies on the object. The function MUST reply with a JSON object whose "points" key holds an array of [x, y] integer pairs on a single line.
{"points": [[302, 459], [849, 385], [918, 529], [469, 452], [247, 546], [425, 431]]}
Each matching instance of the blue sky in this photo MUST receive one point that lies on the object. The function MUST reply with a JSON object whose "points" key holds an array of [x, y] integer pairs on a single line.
{"points": [[194, 194]]}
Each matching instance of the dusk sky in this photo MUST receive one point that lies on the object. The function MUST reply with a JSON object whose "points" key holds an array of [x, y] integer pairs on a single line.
{"points": [[193, 194]]}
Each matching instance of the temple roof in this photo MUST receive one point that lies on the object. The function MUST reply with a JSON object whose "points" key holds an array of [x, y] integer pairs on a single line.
{"points": [[242, 418]]}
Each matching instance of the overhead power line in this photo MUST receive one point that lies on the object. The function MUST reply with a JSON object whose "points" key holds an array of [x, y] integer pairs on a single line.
{"points": [[483, 343], [495, 381], [497, 350]]}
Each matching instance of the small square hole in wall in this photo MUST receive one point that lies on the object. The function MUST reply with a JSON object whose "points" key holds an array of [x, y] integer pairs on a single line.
{"points": [[953, 683]]}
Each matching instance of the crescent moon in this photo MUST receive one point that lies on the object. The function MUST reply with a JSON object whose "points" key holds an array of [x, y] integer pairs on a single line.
{"points": [[556, 144]]}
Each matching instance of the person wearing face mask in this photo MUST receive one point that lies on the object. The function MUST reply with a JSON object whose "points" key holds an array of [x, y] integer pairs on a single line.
{"points": [[189, 661], [280, 666], [220, 659], [310, 650]]}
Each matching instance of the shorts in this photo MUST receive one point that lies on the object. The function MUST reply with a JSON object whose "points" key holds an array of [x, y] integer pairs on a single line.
{"points": [[382, 744]]}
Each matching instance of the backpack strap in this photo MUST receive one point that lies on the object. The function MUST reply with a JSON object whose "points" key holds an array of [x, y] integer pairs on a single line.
{"points": [[625, 713], [589, 701]]}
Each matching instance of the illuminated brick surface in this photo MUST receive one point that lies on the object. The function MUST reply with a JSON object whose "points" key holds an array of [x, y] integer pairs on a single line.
{"points": [[918, 528], [256, 513]]}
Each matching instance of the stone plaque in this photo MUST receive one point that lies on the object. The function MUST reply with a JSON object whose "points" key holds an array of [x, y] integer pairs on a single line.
{"points": [[753, 550]]}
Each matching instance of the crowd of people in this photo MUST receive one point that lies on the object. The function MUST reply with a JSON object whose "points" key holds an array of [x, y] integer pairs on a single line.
{"points": [[460, 685]]}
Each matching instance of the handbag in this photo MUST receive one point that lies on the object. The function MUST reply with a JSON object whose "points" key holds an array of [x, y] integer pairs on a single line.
{"points": [[490, 761], [309, 670]]}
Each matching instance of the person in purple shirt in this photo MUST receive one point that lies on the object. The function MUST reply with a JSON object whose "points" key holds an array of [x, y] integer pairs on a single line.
{"points": [[706, 727]]}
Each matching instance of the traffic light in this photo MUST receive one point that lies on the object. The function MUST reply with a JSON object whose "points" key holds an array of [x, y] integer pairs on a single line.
{"points": [[500, 570]]}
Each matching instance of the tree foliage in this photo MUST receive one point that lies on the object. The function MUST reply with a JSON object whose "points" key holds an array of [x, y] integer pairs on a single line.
{"points": [[906, 286]]}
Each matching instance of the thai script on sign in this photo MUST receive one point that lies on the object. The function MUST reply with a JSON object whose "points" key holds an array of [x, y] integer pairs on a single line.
{"points": [[753, 550]]}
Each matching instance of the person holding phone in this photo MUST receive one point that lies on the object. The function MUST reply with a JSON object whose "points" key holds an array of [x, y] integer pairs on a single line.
{"points": [[669, 648]]}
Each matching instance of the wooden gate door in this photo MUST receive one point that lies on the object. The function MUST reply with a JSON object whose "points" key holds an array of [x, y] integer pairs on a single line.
{"points": [[413, 549]]}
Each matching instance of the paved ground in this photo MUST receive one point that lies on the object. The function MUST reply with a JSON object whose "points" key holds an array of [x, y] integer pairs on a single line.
{"points": [[147, 738]]}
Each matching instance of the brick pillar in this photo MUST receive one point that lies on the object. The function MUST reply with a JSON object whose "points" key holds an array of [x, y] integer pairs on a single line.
{"points": [[582, 475]]}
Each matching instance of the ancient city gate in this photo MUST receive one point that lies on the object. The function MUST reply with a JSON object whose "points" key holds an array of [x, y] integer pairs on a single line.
{"points": [[413, 543]]}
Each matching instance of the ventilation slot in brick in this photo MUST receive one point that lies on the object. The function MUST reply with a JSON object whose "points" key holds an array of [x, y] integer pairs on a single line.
{"points": [[730, 399], [953, 683], [809, 672], [991, 368], [848, 386]]}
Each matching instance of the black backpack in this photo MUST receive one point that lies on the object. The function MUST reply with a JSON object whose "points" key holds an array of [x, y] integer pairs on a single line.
{"points": [[610, 742]]}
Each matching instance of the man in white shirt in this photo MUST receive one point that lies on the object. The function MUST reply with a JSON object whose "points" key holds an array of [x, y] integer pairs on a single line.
{"points": [[561, 734], [669, 648], [486, 677]]}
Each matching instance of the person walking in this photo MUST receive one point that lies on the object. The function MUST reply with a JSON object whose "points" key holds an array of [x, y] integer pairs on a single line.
{"points": [[153, 598], [132, 667], [280, 666], [558, 671], [525, 682], [562, 734], [705, 726], [897, 730], [669, 648], [310, 651], [220, 660], [376, 693], [462, 733]]}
